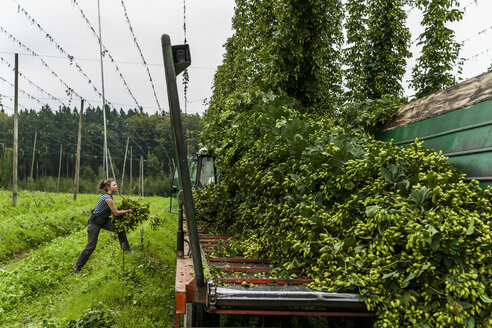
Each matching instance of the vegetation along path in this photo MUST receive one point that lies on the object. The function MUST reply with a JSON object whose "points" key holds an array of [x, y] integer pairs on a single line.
{"points": [[38, 289]]}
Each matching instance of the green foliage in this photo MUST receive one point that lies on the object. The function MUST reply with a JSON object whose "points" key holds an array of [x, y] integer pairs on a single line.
{"points": [[440, 51], [39, 272], [398, 225], [356, 27], [289, 46], [43, 288], [5, 166], [316, 191], [131, 221], [37, 219], [377, 48], [156, 222], [369, 115], [95, 319], [388, 41]]}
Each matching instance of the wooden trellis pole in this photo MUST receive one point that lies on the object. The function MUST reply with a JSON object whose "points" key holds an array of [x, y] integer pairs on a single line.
{"points": [[124, 165], [33, 156], [16, 132], [131, 169], [140, 177], [77, 158], [59, 168], [112, 169], [142, 174]]}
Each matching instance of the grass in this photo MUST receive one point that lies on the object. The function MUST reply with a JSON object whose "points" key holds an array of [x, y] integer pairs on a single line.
{"points": [[39, 218], [41, 291]]}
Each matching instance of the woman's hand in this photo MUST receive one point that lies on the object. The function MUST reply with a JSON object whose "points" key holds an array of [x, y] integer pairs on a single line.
{"points": [[114, 210]]}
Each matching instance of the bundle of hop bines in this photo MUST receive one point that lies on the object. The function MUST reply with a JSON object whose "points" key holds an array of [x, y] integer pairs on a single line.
{"points": [[130, 221]]}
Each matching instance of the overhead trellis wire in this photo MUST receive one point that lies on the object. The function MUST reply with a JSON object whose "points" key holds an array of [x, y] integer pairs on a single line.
{"points": [[38, 88], [22, 91], [140, 52], [11, 100], [482, 32], [116, 61], [106, 51], [478, 54], [31, 52], [57, 46], [473, 2]]}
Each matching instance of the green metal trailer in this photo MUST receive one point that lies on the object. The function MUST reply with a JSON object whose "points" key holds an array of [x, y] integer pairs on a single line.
{"points": [[456, 121]]}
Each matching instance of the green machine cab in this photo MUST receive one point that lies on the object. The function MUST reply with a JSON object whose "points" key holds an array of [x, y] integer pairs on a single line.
{"points": [[202, 173]]}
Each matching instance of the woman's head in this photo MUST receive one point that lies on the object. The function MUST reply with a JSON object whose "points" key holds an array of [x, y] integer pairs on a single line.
{"points": [[107, 184]]}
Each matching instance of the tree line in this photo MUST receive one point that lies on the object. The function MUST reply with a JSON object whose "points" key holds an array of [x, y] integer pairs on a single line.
{"points": [[149, 136]]}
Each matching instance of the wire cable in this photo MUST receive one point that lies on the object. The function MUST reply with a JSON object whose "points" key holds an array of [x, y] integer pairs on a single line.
{"points": [[482, 32], [106, 61], [478, 54], [473, 2], [57, 46], [22, 91], [45, 65], [141, 53], [38, 88], [106, 51]]}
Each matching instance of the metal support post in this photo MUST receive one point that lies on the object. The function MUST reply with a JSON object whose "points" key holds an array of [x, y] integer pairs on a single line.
{"points": [[184, 171]]}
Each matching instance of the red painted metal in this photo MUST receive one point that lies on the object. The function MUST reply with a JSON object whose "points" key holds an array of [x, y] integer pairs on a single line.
{"points": [[237, 259], [213, 242], [203, 235], [265, 281], [176, 321], [179, 303], [253, 269], [244, 269], [297, 313]]}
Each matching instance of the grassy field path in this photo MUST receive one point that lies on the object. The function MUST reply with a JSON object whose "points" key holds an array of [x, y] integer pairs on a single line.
{"points": [[40, 289]]}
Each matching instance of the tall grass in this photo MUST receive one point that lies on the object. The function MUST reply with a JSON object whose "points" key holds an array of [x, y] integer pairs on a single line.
{"points": [[41, 290], [39, 218]]}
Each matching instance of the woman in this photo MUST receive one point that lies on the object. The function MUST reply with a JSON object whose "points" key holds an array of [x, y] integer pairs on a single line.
{"points": [[101, 219]]}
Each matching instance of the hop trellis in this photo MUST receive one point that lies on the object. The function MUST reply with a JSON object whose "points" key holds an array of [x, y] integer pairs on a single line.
{"points": [[43, 62], [37, 87], [473, 2], [57, 46], [22, 91], [106, 52], [141, 53]]}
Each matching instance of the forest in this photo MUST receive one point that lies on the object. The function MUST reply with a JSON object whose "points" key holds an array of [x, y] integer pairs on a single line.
{"points": [[148, 135]]}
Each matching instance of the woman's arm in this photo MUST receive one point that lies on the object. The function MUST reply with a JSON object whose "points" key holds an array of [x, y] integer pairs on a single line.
{"points": [[114, 210]]}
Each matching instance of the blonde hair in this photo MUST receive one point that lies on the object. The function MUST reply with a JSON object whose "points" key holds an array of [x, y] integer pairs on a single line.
{"points": [[104, 184]]}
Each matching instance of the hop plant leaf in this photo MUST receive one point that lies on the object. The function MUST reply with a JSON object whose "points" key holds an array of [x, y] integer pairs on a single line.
{"points": [[130, 221]]}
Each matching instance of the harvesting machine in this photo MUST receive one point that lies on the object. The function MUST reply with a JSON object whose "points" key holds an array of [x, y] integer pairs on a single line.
{"points": [[456, 121], [210, 287]]}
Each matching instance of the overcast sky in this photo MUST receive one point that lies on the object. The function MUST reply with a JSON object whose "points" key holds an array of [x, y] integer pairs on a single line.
{"points": [[208, 27]]}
